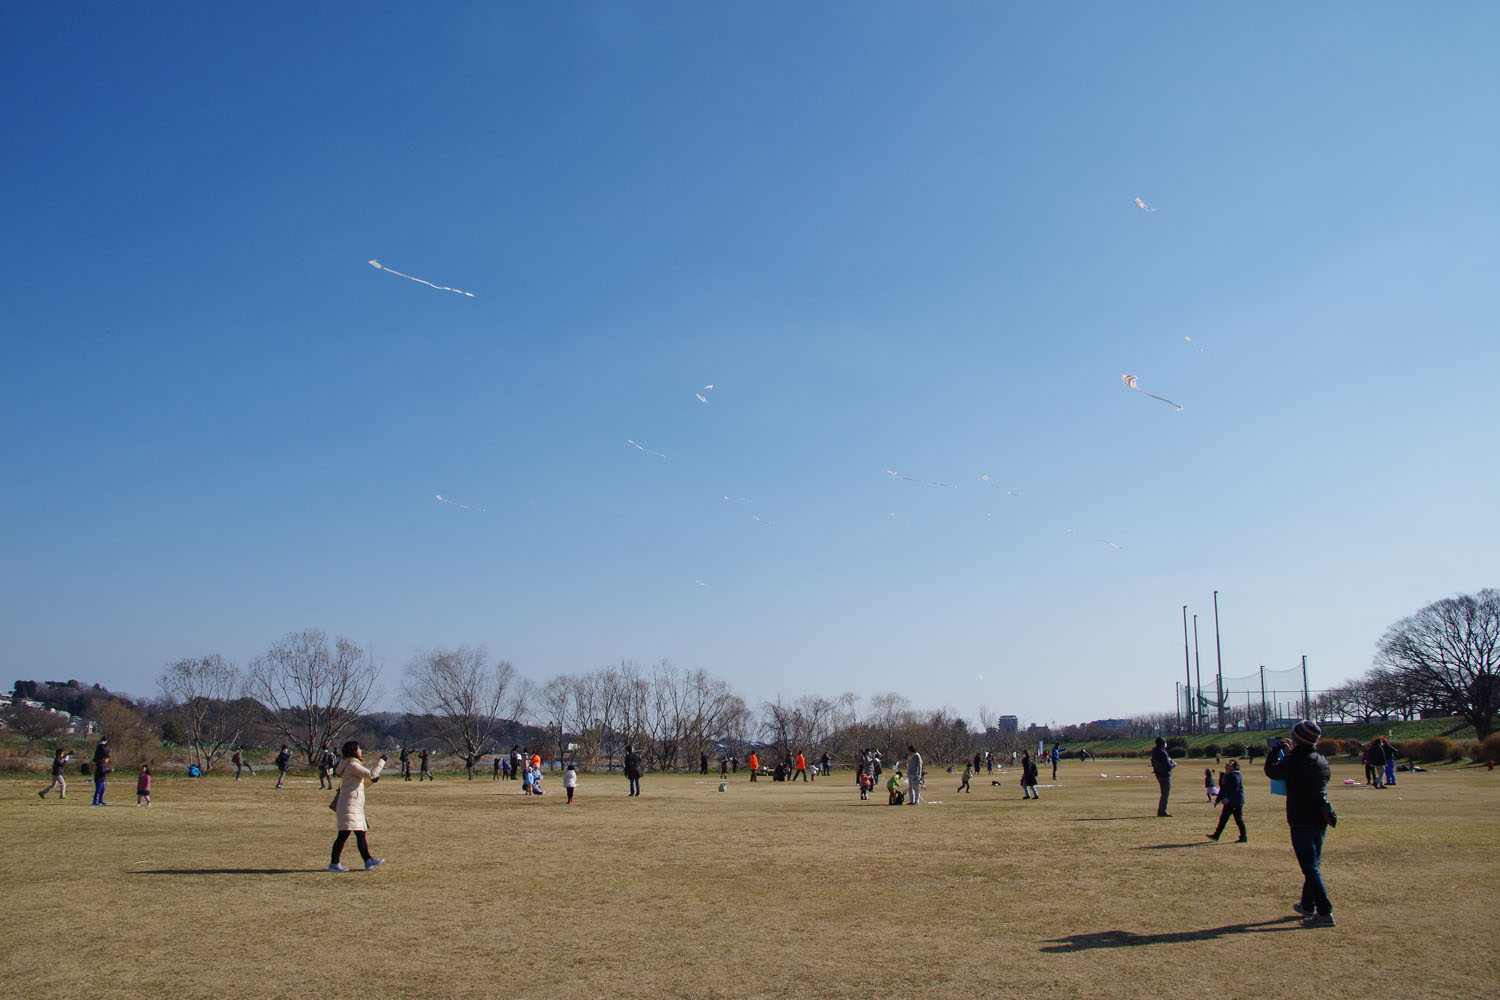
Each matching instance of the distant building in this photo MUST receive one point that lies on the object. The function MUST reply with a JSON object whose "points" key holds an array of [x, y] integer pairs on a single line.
{"points": [[1115, 724], [1009, 724]]}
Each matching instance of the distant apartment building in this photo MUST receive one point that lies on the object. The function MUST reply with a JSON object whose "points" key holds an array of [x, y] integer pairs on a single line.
{"points": [[1009, 724]]}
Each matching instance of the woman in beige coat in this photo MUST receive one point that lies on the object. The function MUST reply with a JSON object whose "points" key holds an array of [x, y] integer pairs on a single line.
{"points": [[349, 804]]}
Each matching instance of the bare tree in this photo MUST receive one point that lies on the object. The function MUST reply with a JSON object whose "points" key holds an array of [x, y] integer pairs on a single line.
{"points": [[463, 695], [1452, 648], [312, 694], [203, 699], [36, 725]]}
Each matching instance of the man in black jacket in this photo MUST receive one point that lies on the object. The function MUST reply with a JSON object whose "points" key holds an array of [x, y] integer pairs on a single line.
{"points": [[1305, 771], [1161, 766]]}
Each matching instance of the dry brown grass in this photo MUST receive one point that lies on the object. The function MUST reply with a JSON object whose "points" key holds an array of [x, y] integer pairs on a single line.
{"points": [[769, 890]]}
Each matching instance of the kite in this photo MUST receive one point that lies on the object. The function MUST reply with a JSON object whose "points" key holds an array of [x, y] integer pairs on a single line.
{"points": [[946, 486], [909, 479], [1195, 344], [646, 450], [1143, 206], [1130, 383], [991, 482], [699, 583], [442, 288], [1106, 541], [460, 506], [760, 520], [738, 500], [701, 398]]}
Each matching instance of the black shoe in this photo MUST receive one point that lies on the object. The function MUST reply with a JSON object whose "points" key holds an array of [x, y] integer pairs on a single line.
{"points": [[1212, 836], [1243, 840], [1160, 815]]}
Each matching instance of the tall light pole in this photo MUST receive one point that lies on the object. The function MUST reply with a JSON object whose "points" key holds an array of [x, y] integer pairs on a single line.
{"points": [[1219, 656], [1186, 671], [1198, 665]]}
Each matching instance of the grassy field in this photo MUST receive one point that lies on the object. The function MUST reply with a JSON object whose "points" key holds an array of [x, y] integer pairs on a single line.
{"points": [[767, 890]]}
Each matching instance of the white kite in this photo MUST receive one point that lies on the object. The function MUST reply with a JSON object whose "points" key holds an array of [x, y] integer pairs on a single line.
{"points": [[646, 450], [988, 481], [760, 520], [442, 288], [1106, 541], [460, 506], [1143, 206], [1131, 383], [729, 499]]}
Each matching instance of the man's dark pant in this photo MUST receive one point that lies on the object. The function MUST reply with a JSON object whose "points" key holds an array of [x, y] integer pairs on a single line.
{"points": [[1165, 781], [1224, 816], [1307, 842]]}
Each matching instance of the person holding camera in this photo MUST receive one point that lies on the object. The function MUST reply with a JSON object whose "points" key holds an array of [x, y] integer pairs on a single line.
{"points": [[1161, 766], [349, 805], [1297, 763]]}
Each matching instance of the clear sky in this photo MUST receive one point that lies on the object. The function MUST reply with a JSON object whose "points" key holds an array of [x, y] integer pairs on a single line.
{"points": [[891, 235]]}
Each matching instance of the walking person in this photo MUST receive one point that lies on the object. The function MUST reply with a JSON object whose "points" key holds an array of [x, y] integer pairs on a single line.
{"points": [[989, 762], [239, 762], [1308, 812], [405, 763], [914, 776], [349, 805], [801, 767], [283, 761], [143, 787], [1232, 798], [1372, 769], [1161, 766], [426, 771], [59, 765], [633, 770], [968, 773], [570, 781], [754, 765], [326, 764], [1028, 777]]}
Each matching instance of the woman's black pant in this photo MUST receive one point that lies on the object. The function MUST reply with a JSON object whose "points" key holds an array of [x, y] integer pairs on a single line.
{"points": [[1227, 812], [359, 841]]}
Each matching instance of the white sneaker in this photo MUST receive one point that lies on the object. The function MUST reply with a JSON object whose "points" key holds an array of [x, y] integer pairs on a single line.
{"points": [[337, 868], [373, 863]]}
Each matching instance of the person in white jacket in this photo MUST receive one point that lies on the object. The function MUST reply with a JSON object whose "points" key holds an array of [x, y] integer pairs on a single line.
{"points": [[914, 776], [349, 804]]}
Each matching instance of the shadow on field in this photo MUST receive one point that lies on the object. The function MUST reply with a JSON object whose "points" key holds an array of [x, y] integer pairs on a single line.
{"points": [[1104, 819], [1205, 842], [1130, 939], [226, 871]]}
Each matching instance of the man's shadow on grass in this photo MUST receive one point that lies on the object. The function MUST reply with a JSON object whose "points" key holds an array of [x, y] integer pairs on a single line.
{"points": [[1205, 842], [226, 871], [1130, 939]]}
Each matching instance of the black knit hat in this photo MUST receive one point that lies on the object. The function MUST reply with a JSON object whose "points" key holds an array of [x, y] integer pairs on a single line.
{"points": [[1307, 732]]}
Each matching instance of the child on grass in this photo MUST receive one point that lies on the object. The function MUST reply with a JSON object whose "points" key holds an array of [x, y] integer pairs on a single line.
{"points": [[1210, 786], [570, 780], [968, 773], [143, 786]]}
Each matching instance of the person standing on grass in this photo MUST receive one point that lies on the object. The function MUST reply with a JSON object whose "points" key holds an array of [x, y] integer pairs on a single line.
{"points": [[703, 763], [827, 763], [283, 761], [1232, 798], [1054, 755], [1210, 787], [469, 761], [1161, 766], [633, 770], [1305, 771], [570, 780], [516, 761], [101, 769], [426, 772], [914, 776], [349, 805], [143, 786], [326, 764], [498, 759], [1388, 750], [405, 763], [1028, 777], [754, 765], [801, 767], [59, 765]]}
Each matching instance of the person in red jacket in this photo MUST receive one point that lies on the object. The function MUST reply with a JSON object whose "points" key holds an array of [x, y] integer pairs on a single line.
{"points": [[801, 766], [754, 765]]}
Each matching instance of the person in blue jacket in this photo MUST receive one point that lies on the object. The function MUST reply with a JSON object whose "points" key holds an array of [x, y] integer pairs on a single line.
{"points": [[1232, 798]]}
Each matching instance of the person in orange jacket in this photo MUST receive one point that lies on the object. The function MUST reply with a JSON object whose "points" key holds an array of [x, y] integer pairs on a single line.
{"points": [[754, 765], [801, 766]]}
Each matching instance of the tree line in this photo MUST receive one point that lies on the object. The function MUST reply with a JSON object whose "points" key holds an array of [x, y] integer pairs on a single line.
{"points": [[308, 690]]}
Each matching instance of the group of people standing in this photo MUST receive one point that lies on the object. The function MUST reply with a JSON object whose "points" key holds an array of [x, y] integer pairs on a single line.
{"points": [[1379, 758]]}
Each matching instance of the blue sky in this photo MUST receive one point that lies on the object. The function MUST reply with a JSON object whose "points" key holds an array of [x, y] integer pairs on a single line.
{"points": [[891, 235]]}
